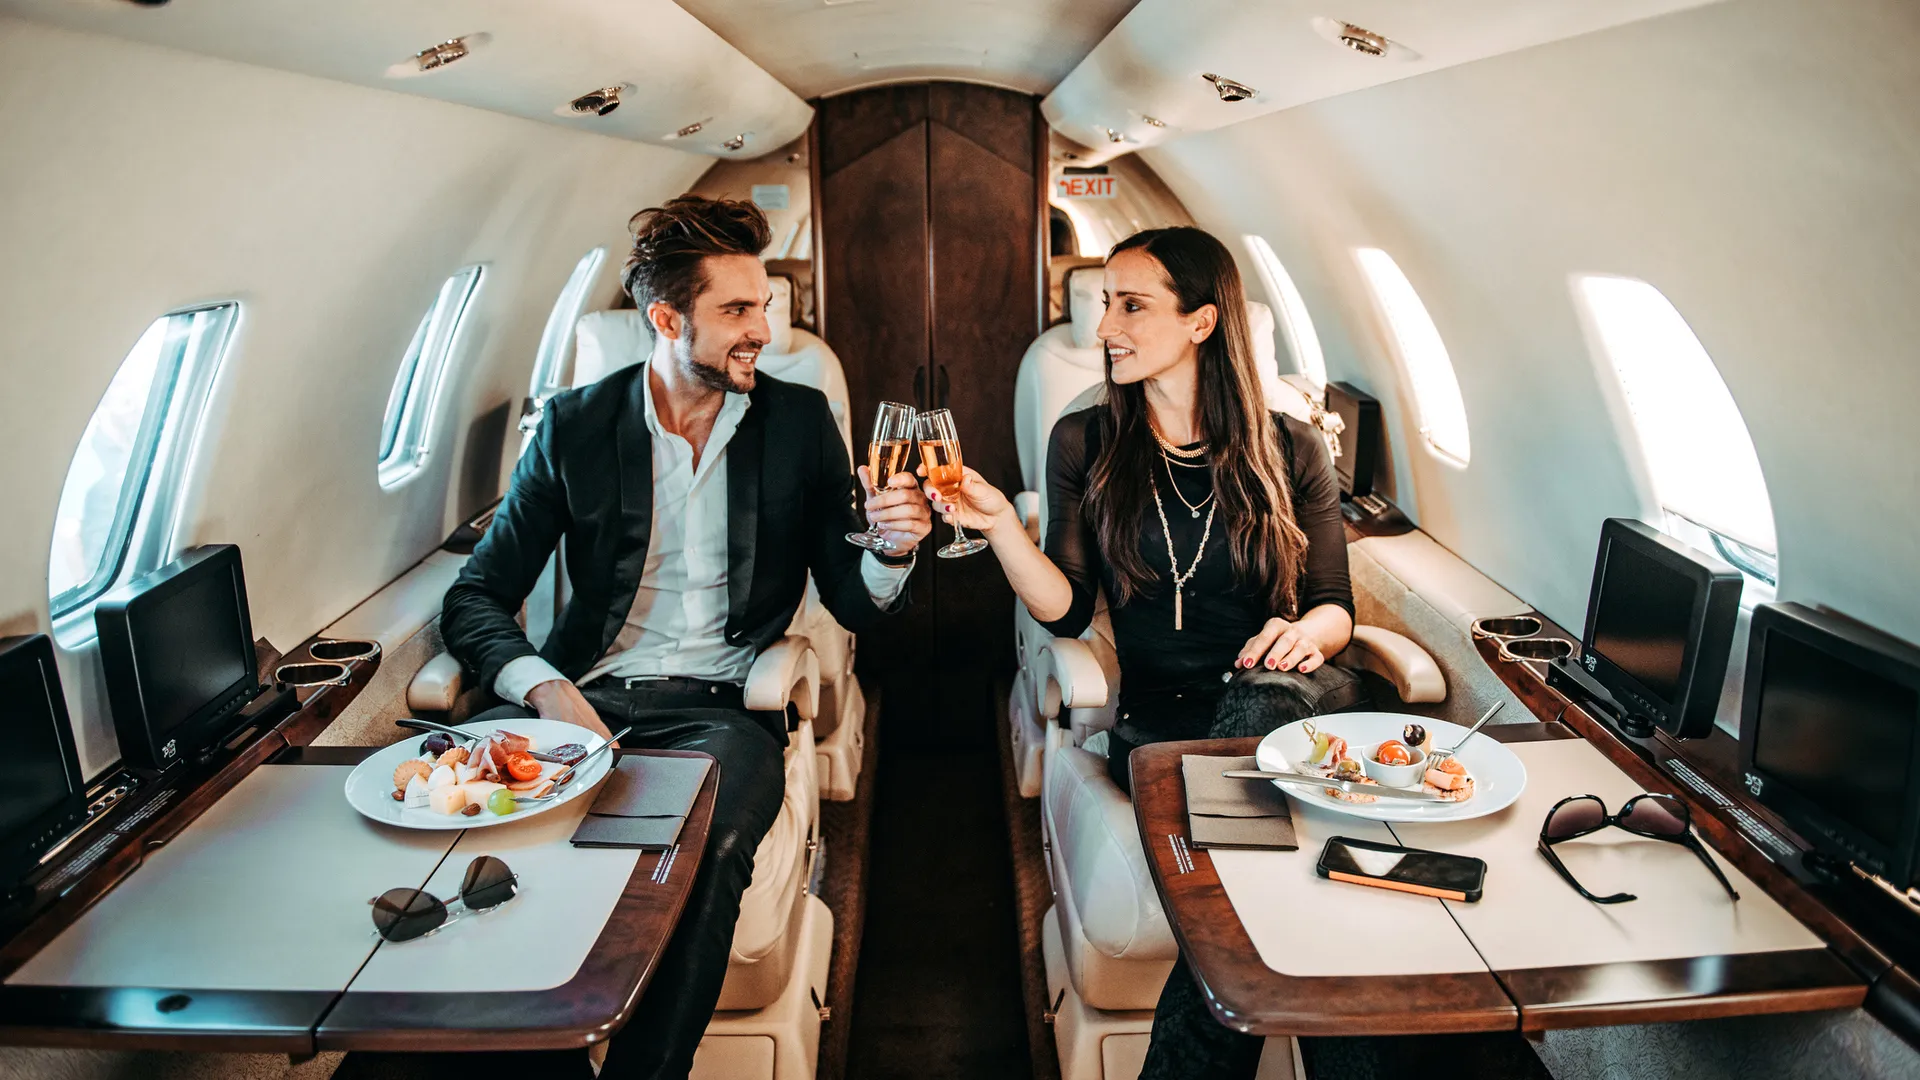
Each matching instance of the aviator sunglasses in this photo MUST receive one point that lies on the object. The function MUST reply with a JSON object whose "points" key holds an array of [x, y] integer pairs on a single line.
{"points": [[405, 914], [1654, 816]]}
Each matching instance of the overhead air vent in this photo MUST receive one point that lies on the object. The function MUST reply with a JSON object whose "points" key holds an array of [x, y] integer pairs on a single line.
{"points": [[691, 129], [736, 142], [1362, 41], [598, 102], [1228, 89], [435, 58], [1115, 136]]}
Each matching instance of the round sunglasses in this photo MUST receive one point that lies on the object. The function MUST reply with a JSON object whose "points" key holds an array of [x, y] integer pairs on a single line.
{"points": [[1654, 816], [406, 914]]}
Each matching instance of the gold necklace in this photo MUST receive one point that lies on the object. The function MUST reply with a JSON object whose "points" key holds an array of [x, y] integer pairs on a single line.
{"points": [[1172, 449], [1194, 507], [1179, 579]]}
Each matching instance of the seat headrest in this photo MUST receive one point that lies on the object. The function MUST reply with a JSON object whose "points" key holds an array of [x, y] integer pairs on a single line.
{"points": [[780, 314], [1084, 307], [606, 341]]}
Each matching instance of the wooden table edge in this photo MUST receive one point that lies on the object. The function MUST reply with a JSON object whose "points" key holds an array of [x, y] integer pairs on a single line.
{"points": [[1459, 1002], [578, 1008]]}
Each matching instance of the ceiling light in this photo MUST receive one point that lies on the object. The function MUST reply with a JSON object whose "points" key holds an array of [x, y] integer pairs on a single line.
{"points": [[690, 129], [1228, 89], [599, 102], [736, 142], [435, 57], [1152, 121], [1362, 41], [1114, 136]]}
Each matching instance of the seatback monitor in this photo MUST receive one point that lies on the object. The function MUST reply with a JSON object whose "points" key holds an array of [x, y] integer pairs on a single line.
{"points": [[42, 800], [1660, 621], [177, 648], [1830, 735]]}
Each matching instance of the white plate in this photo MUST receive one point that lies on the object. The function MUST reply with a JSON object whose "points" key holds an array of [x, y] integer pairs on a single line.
{"points": [[370, 787], [1498, 776]]}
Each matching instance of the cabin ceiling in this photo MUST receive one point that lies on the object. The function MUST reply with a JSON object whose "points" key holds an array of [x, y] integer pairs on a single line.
{"points": [[538, 57], [822, 47]]}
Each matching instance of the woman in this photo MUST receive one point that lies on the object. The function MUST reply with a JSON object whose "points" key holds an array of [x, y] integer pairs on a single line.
{"points": [[1214, 528]]}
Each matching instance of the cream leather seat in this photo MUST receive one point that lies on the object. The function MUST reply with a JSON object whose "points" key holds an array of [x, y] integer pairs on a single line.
{"points": [[799, 356]]}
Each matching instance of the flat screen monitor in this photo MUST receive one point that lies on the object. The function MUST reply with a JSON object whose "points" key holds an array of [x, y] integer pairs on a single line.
{"points": [[1360, 439], [43, 799], [177, 646], [1660, 622], [1830, 735]]}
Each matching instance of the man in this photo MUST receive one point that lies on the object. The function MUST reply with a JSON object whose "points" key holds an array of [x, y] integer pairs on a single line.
{"points": [[695, 497]]}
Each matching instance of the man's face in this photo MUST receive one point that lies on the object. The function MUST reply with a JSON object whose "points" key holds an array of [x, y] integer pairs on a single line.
{"points": [[719, 342]]}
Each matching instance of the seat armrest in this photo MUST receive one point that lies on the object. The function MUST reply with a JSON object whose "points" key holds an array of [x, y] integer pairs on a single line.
{"points": [[1026, 506], [1070, 677], [787, 672], [436, 686], [1397, 659]]}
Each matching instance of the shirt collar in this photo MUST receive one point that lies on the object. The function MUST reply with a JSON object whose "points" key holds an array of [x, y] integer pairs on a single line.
{"points": [[731, 410]]}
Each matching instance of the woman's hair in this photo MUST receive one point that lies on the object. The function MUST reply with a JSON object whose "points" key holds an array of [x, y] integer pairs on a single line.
{"points": [[669, 243], [1249, 472]]}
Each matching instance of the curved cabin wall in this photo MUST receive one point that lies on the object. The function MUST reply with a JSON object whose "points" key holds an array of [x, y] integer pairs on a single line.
{"points": [[1755, 161], [332, 213]]}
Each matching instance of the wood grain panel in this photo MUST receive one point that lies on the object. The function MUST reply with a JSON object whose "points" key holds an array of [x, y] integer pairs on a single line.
{"points": [[1001, 122], [851, 126]]}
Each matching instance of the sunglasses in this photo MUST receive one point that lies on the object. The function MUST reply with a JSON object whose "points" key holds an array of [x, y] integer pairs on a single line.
{"points": [[1656, 817], [406, 914]]}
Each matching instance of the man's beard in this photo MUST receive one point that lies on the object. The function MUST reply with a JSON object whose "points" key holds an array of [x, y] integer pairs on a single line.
{"points": [[712, 377]]}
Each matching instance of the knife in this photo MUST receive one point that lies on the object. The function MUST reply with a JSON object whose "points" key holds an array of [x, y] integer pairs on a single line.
{"points": [[1347, 786]]}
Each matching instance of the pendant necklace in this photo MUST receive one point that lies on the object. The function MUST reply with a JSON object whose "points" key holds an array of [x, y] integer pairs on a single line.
{"points": [[1193, 508], [1179, 579]]}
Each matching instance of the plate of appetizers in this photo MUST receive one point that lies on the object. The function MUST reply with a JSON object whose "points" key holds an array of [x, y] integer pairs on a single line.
{"points": [[503, 771], [1402, 755]]}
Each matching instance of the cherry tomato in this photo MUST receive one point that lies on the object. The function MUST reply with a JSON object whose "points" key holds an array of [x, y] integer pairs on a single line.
{"points": [[1393, 752], [522, 767]]}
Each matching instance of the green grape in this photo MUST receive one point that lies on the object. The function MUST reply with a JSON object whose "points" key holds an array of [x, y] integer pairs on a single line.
{"points": [[1321, 742], [501, 802]]}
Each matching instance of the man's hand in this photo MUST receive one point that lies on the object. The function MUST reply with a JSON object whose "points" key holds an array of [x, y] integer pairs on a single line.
{"points": [[558, 699], [899, 511]]}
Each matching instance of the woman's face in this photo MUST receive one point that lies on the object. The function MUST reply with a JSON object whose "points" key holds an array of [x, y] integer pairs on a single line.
{"points": [[1145, 333]]}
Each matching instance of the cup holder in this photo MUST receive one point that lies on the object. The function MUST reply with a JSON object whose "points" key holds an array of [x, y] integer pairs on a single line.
{"points": [[303, 676], [1506, 626], [1538, 649], [344, 650]]}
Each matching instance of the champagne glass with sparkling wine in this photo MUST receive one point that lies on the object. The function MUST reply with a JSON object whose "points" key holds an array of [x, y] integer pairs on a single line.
{"points": [[940, 453], [886, 454]]}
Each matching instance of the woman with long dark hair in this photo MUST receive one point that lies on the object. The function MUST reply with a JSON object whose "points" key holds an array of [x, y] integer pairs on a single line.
{"points": [[1212, 525]]}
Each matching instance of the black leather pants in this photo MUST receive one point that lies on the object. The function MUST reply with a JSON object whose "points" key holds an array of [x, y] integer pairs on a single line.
{"points": [[659, 1041]]}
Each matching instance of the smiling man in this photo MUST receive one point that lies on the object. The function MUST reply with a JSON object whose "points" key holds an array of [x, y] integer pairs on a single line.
{"points": [[695, 496]]}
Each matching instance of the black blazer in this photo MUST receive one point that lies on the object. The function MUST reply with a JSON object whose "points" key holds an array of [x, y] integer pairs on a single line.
{"points": [[588, 477]]}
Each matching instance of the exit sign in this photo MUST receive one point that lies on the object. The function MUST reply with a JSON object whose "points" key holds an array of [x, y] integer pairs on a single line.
{"points": [[1084, 187]]}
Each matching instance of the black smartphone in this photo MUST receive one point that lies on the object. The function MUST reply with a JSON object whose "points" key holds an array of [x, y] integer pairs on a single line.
{"points": [[1390, 866]]}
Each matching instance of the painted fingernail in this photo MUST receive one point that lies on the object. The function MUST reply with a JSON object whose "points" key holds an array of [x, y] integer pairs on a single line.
{"points": [[1273, 663]]}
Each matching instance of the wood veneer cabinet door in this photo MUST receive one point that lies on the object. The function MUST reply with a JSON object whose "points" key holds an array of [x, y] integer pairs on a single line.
{"points": [[930, 229]]}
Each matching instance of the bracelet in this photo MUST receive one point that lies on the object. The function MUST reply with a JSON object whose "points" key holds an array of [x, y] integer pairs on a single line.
{"points": [[895, 560]]}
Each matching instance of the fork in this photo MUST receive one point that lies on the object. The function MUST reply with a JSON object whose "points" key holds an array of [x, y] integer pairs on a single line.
{"points": [[567, 775], [1439, 756]]}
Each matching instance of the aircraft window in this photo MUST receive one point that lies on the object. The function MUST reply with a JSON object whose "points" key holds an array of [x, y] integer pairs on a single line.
{"points": [[407, 433], [1295, 323], [1698, 452], [1436, 390], [117, 506], [549, 367]]}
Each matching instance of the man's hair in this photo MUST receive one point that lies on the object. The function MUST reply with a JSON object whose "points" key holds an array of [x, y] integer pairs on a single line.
{"points": [[670, 241]]}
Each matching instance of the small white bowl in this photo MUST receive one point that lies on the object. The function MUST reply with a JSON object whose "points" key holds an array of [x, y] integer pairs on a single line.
{"points": [[1395, 775]]}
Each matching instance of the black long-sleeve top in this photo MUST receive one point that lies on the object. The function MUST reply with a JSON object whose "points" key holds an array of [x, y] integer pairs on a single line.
{"points": [[1219, 613]]}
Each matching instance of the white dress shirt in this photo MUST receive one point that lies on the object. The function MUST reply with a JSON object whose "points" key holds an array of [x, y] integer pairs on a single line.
{"points": [[677, 626]]}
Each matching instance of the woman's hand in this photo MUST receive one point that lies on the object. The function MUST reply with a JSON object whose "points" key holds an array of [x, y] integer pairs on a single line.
{"points": [[1282, 646], [978, 505]]}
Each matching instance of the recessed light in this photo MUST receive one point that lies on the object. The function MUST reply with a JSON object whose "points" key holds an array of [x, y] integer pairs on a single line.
{"points": [[1153, 121], [1115, 136], [691, 129], [435, 58], [1361, 40], [1228, 89]]}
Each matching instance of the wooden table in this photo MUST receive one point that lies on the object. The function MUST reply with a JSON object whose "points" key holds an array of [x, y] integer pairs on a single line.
{"points": [[589, 1007], [1244, 994]]}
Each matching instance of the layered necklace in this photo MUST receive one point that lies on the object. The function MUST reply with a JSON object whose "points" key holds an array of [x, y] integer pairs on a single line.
{"points": [[1168, 454]]}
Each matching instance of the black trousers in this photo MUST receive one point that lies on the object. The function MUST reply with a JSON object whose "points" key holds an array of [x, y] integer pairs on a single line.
{"points": [[659, 1041]]}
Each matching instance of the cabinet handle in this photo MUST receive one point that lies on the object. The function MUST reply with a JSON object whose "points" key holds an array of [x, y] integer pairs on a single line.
{"points": [[920, 388], [944, 387]]}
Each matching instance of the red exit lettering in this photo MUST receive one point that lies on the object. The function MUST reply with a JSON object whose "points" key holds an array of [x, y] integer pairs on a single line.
{"points": [[1084, 187]]}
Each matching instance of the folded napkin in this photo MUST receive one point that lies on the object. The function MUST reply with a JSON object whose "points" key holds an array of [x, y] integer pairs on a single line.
{"points": [[643, 803], [1223, 813]]}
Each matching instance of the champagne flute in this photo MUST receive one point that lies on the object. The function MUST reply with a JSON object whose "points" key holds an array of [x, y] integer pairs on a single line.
{"points": [[886, 454], [940, 453]]}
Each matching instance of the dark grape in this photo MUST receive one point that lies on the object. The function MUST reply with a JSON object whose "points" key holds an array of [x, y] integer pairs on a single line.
{"points": [[436, 744]]}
